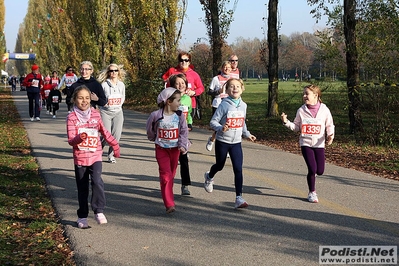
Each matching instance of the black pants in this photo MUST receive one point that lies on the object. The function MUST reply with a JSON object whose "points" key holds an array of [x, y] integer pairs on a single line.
{"points": [[55, 107], [82, 175], [34, 111], [68, 103], [184, 170]]}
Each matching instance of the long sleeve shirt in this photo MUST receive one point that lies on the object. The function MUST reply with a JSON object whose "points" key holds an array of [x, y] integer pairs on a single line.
{"points": [[313, 129], [87, 152]]}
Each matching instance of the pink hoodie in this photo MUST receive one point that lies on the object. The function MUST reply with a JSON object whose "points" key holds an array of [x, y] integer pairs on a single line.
{"points": [[313, 129]]}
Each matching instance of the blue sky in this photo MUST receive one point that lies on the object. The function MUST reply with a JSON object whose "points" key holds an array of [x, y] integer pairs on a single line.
{"points": [[248, 23]]}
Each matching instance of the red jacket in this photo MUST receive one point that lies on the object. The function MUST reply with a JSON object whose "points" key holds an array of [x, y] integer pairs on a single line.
{"points": [[33, 82], [194, 81], [45, 90]]}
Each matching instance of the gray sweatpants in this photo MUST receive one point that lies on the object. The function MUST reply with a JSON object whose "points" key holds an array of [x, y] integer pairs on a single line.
{"points": [[113, 122]]}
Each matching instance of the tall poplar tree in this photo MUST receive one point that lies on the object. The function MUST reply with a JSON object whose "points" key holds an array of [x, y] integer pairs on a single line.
{"points": [[352, 71], [272, 69], [217, 20], [2, 23]]}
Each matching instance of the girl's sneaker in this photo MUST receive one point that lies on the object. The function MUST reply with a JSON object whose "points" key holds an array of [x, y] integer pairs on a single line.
{"points": [[209, 144], [184, 190], [82, 223], [170, 209], [312, 197], [240, 203], [100, 218], [208, 184]]}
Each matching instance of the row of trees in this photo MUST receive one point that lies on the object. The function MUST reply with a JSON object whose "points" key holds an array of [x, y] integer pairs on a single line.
{"points": [[141, 35], [2, 23], [362, 41]]}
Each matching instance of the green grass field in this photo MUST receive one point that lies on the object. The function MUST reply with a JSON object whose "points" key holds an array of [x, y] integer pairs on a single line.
{"points": [[290, 99]]}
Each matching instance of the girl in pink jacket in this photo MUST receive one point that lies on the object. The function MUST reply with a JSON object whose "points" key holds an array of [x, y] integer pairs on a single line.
{"points": [[315, 122], [84, 127]]}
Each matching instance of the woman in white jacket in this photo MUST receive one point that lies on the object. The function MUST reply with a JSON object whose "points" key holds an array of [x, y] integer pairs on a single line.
{"points": [[111, 80], [315, 122]]}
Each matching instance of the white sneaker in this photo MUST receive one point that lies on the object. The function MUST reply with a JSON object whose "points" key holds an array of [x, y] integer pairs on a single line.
{"points": [[54, 116], [209, 144], [31, 119], [48, 112], [312, 197], [100, 218], [228, 155], [185, 190], [208, 185], [37, 118], [82, 223], [240, 203]]}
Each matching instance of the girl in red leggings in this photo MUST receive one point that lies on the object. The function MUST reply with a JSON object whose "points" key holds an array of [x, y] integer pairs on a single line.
{"points": [[167, 127]]}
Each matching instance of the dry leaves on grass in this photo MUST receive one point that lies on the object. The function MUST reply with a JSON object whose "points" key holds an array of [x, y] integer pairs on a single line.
{"points": [[367, 160]]}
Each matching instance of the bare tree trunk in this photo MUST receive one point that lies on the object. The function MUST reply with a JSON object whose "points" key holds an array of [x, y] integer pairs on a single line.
{"points": [[355, 121], [272, 40], [216, 40]]}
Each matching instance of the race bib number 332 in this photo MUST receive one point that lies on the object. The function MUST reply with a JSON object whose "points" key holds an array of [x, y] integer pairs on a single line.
{"points": [[91, 143]]}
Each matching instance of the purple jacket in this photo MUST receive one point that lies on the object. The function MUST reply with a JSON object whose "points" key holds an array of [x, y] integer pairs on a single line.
{"points": [[152, 128]]}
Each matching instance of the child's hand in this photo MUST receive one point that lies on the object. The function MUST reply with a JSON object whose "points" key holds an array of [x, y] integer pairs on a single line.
{"points": [[190, 93], [93, 97], [252, 138], [284, 118], [225, 127], [83, 135], [330, 139], [117, 151], [182, 150]]}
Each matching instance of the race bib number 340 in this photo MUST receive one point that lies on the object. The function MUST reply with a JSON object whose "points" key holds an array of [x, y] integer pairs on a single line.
{"points": [[235, 119]]}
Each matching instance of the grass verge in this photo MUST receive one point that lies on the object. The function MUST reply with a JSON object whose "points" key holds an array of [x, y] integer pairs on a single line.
{"points": [[29, 231]]}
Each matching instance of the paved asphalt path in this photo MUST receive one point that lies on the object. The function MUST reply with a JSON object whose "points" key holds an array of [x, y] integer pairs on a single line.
{"points": [[278, 228]]}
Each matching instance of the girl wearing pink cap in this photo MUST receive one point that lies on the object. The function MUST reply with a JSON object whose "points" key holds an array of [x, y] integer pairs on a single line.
{"points": [[167, 127]]}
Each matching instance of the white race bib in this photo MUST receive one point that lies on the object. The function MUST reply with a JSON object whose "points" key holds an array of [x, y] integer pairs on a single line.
{"points": [[91, 143], [235, 120]]}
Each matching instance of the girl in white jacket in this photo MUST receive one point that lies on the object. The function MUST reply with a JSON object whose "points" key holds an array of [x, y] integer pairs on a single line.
{"points": [[315, 122]]}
